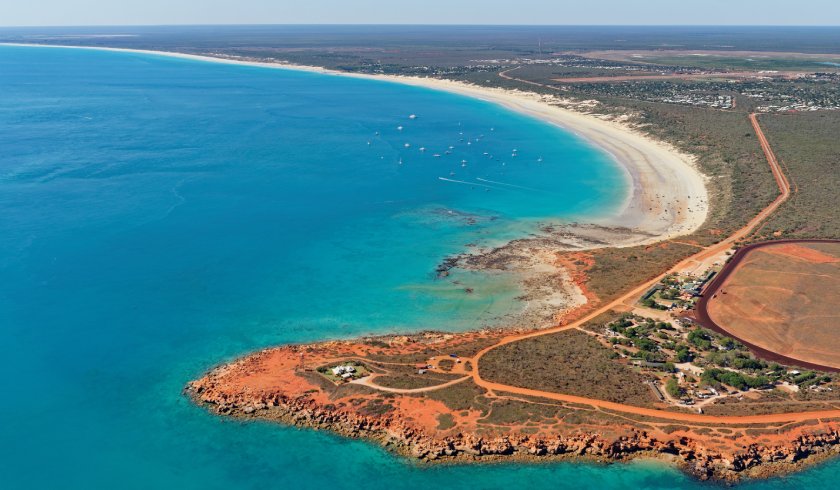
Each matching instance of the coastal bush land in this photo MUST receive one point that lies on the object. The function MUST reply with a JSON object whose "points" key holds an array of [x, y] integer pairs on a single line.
{"points": [[569, 362], [807, 148]]}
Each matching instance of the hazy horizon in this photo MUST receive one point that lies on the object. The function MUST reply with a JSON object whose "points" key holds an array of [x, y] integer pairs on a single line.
{"points": [[94, 13]]}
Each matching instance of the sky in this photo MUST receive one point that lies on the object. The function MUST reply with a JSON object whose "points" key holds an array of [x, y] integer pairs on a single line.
{"points": [[555, 12]]}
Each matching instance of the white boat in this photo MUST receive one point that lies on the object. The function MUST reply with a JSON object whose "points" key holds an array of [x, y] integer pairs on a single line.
{"points": [[422, 148], [539, 160], [413, 116], [436, 155], [463, 163], [400, 162], [399, 128], [407, 145]]}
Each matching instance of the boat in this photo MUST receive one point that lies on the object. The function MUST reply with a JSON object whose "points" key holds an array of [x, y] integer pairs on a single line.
{"points": [[463, 163], [407, 145], [413, 116], [400, 162], [422, 148], [539, 160], [436, 155], [399, 128]]}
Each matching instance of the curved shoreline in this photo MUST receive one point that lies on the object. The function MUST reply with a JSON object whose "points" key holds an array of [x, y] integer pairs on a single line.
{"points": [[667, 193]]}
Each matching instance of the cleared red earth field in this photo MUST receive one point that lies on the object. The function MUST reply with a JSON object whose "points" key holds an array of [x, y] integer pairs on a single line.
{"points": [[783, 298]]}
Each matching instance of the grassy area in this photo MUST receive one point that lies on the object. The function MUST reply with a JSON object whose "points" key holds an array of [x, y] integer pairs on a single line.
{"points": [[359, 370], [617, 269], [569, 362], [461, 396], [514, 411], [467, 348], [807, 147], [413, 380], [732, 406], [751, 62]]}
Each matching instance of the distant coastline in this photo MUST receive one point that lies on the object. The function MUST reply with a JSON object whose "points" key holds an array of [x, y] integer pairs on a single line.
{"points": [[668, 195]]}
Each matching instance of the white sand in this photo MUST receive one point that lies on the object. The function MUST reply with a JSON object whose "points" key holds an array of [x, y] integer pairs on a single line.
{"points": [[668, 197]]}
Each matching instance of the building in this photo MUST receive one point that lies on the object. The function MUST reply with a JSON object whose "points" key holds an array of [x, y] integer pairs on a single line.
{"points": [[344, 370]]}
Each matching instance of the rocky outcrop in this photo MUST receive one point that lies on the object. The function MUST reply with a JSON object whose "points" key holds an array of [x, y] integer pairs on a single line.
{"points": [[305, 411]]}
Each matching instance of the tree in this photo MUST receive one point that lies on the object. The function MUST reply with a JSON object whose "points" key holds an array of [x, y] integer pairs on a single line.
{"points": [[683, 353], [646, 345], [673, 388]]}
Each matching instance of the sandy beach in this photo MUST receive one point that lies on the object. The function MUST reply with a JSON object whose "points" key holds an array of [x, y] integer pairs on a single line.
{"points": [[668, 196]]}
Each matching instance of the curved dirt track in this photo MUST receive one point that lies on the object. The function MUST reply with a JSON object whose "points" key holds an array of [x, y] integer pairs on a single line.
{"points": [[630, 298], [367, 381]]}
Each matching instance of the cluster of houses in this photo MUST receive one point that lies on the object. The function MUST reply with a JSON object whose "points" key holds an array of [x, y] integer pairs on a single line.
{"points": [[677, 291], [798, 102], [701, 100]]}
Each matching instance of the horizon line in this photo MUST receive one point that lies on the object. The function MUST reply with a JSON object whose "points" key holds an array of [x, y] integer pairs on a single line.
{"points": [[384, 24]]}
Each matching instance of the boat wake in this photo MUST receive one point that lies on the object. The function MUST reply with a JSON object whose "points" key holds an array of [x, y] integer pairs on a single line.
{"points": [[469, 183], [509, 185]]}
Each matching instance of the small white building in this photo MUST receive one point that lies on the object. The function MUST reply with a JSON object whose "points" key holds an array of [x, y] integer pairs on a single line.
{"points": [[342, 370]]}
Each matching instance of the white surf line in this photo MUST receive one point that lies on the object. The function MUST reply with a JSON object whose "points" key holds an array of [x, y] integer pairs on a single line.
{"points": [[469, 183], [510, 185]]}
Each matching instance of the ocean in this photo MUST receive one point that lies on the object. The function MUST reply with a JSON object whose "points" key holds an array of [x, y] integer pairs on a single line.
{"points": [[161, 216]]}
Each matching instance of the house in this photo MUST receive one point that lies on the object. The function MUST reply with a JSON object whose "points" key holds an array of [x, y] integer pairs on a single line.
{"points": [[651, 292], [342, 370]]}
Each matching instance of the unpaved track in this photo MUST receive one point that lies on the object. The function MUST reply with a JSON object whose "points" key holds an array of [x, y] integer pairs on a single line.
{"points": [[368, 381]]}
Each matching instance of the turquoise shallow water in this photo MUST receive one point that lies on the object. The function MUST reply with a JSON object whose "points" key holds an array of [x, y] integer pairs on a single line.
{"points": [[160, 216]]}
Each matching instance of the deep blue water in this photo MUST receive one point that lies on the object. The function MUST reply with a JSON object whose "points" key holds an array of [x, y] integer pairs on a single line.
{"points": [[160, 216]]}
